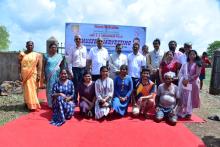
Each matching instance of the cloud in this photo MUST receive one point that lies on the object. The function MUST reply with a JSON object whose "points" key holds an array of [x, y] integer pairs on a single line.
{"points": [[34, 16], [185, 20]]}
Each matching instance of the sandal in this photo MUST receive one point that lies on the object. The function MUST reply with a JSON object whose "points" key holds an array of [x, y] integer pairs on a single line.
{"points": [[214, 117], [188, 116]]}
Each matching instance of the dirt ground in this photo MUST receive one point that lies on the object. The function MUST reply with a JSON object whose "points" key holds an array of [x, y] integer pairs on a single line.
{"points": [[209, 131]]}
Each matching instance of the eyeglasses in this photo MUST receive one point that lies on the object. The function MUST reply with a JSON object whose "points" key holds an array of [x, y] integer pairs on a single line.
{"points": [[77, 38]]}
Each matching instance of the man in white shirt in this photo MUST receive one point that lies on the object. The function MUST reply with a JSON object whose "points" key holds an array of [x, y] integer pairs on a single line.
{"points": [[178, 56], [155, 59], [136, 61], [77, 61], [98, 57], [116, 60]]}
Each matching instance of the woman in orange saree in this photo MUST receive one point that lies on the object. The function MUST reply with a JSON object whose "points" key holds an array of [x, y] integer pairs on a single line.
{"points": [[30, 75]]}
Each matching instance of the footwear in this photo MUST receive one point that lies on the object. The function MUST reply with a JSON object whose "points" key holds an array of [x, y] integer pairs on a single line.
{"points": [[188, 116], [214, 117]]}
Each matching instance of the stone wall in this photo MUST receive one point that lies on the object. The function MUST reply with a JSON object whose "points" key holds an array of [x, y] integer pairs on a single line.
{"points": [[8, 66]]}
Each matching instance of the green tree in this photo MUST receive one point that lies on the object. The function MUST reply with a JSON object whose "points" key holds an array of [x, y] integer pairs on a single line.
{"points": [[4, 38], [213, 47]]}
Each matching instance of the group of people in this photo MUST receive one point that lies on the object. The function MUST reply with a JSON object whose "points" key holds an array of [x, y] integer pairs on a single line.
{"points": [[164, 83]]}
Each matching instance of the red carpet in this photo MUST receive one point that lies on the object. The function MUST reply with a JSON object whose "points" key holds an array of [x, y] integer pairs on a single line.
{"points": [[34, 130], [194, 118]]}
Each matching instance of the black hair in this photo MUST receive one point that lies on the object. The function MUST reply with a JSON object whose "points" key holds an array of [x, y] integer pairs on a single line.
{"points": [[156, 40], [145, 70], [172, 41], [103, 67], [123, 67], [86, 72], [136, 44], [204, 54], [182, 50], [51, 44], [197, 59], [168, 52], [62, 70], [29, 42]]}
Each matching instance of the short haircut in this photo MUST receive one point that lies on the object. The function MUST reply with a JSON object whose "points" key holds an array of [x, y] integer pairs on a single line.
{"points": [[123, 67], [145, 70], [157, 40]]}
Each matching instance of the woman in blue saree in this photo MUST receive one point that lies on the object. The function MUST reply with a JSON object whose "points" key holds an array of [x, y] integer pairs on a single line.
{"points": [[63, 95], [52, 63], [123, 88]]}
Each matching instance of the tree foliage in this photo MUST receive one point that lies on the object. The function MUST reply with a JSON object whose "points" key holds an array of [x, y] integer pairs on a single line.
{"points": [[213, 47], [4, 38]]}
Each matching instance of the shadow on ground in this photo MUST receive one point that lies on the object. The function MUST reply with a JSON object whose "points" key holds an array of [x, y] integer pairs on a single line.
{"points": [[211, 141], [14, 107]]}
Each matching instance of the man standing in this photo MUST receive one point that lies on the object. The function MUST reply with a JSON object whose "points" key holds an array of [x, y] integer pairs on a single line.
{"points": [[136, 62], [187, 48], [155, 59], [145, 53], [98, 57], [116, 60], [77, 62], [178, 56]]}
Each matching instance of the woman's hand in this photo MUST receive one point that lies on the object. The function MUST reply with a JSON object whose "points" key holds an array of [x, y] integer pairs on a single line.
{"points": [[185, 82], [67, 99], [122, 99], [61, 94]]}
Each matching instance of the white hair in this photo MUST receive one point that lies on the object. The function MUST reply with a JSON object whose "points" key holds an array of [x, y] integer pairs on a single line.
{"points": [[170, 74]]}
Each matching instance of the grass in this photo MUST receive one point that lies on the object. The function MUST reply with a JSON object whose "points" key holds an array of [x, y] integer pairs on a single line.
{"points": [[11, 107]]}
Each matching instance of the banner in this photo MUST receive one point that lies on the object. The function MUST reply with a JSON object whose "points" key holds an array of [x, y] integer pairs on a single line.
{"points": [[112, 35]]}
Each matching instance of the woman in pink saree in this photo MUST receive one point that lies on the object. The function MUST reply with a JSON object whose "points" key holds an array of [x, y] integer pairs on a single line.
{"points": [[189, 85]]}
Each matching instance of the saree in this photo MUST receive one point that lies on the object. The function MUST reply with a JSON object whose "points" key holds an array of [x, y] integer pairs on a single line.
{"points": [[189, 95], [52, 70], [29, 79]]}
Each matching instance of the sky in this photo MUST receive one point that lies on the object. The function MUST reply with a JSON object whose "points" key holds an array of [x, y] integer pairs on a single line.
{"points": [[195, 21]]}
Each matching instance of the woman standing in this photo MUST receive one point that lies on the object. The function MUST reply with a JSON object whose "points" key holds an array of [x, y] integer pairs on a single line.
{"points": [[189, 85], [104, 88], [168, 64], [30, 75], [123, 88], [87, 95], [63, 95], [52, 65]]}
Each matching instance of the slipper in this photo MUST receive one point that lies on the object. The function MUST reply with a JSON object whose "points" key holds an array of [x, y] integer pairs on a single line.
{"points": [[214, 117]]}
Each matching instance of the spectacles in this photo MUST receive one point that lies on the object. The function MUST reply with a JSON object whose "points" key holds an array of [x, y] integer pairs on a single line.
{"points": [[77, 38]]}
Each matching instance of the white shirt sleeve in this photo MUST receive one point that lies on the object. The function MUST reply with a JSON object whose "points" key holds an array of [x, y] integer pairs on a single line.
{"points": [[89, 57], [69, 58]]}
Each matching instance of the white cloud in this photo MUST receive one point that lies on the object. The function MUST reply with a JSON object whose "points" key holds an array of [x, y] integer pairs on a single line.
{"points": [[197, 21]]}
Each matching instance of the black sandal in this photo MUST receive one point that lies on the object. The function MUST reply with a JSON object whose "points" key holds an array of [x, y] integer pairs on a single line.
{"points": [[214, 117]]}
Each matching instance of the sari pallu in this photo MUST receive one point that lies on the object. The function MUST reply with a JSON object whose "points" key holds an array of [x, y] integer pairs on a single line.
{"points": [[52, 69], [29, 78]]}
